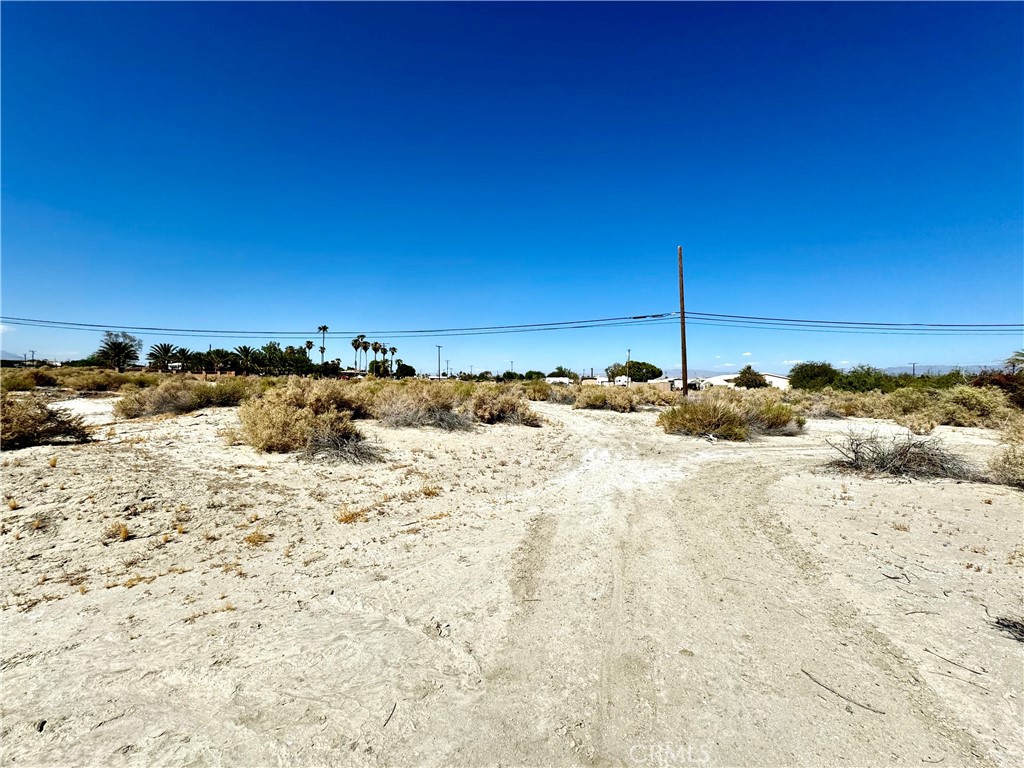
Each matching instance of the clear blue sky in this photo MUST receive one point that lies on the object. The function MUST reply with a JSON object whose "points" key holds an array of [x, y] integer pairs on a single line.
{"points": [[387, 166]]}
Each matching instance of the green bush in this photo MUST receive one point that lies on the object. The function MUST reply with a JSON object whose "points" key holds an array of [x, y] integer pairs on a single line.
{"points": [[748, 378], [813, 376], [27, 421]]}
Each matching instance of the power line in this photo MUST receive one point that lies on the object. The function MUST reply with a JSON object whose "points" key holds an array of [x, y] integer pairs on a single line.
{"points": [[748, 322]]}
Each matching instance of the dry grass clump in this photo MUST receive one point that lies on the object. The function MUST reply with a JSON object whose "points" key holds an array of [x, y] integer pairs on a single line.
{"points": [[493, 404], [729, 414], [537, 389], [1008, 466], [25, 379], [337, 438], [100, 380], [563, 394], [618, 399], [27, 421], [645, 394], [903, 456], [183, 395], [276, 423], [920, 410], [706, 416], [414, 403]]}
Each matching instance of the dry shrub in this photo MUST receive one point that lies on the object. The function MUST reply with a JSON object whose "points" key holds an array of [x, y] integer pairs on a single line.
{"points": [[1008, 466], [706, 416], [100, 380], [564, 394], [537, 389], [25, 379], [28, 421], [904, 456], [966, 406], [338, 439], [276, 423], [494, 403], [732, 414], [769, 417], [645, 394], [918, 423], [415, 403], [183, 395], [618, 399]]}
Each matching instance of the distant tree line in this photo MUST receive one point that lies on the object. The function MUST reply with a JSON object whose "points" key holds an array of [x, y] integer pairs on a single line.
{"points": [[864, 378]]}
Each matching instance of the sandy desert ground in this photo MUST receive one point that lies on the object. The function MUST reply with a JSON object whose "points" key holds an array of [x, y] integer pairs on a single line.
{"points": [[592, 592]]}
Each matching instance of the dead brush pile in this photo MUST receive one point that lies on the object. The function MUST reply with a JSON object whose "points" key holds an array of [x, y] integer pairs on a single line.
{"points": [[901, 456], [729, 414], [183, 395], [27, 421]]}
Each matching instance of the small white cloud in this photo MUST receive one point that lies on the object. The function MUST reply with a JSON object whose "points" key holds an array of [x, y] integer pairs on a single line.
{"points": [[6, 328], [844, 362], [718, 357], [792, 362], [726, 365], [747, 354]]}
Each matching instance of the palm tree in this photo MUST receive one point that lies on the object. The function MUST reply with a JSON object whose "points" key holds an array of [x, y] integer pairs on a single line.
{"points": [[183, 355], [322, 330], [218, 358], [365, 346], [356, 345], [1015, 361], [117, 354], [376, 347], [245, 357], [392, 350], [160, 355], [309, 346]]}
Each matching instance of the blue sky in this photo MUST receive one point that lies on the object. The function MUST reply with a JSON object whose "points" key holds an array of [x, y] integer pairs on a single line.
{"points": [[394, 166]]}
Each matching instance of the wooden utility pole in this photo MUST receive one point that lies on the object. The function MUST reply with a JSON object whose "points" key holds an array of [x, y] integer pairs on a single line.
{"points": [[682, 324]]}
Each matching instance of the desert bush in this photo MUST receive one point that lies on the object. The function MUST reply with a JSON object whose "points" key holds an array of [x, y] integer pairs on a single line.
{"points": [[918, 423], [966, 406], [904, 456], [99, 380], [772, 417], [493, 403], [1008, 466], [618, 399], [25, 379], [336, 437], [415, 403], [275, 423], [706, 416], [183, 395], [535, 389], [565, 395], [28, 421], [1010, 383], [645, 394]]}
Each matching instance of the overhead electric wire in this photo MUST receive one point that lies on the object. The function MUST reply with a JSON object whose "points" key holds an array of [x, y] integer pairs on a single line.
{"points": [[747, 322]]}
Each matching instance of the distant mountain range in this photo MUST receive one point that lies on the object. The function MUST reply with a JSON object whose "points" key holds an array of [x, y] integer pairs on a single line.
{"points": [[5, 355]]}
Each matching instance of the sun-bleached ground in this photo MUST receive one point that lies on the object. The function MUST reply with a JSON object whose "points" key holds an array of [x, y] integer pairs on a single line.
{"points": [[592, 592]]}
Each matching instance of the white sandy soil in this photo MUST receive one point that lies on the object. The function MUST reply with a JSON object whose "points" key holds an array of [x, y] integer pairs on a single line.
{"points": [[593, 592]]}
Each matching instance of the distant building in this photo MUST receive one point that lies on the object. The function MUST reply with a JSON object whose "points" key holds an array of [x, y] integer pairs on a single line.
{"points": [[773, 379]]}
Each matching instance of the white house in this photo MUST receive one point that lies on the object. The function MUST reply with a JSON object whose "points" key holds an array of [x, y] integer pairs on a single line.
{"points": [[773, 379], [558, 380]]}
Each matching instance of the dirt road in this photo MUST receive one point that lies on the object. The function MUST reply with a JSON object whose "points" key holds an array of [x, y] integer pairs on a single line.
{"points": [[593, 592]]}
